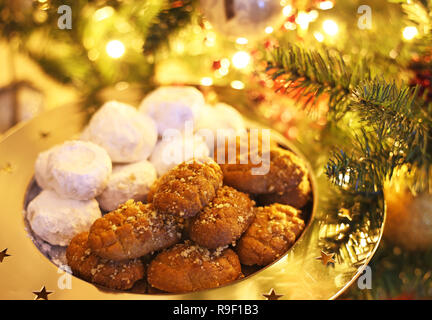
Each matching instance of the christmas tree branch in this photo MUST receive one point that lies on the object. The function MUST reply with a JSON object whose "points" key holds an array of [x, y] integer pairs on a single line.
{"points": [[395, 131], [300, 72], [176, 15]]}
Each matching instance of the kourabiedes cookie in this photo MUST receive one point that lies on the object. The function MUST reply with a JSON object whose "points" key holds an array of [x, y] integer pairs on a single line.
{"points": [[112, 274], [127, 181], [187, 188], [74, 170], [188, 267], [274, 230], [133, 230], [224, 220], [57, 220]]}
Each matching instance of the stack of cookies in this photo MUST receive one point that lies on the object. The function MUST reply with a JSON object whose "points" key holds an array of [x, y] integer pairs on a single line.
{"points": [[140, 202], [198, 229]]}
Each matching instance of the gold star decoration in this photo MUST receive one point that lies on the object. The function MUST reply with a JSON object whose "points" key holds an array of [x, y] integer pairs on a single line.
{"points": [[44, 134], [43, 294], [272, 295], [326, 258], [3, 255], [7, 168]]}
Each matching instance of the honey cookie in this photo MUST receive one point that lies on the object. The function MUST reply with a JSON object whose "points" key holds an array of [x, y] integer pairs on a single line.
{"points": [[187, 188], [274, 230], [282, 171], [297, 197], [111, 274], [133, 230], [224, 220], [188, 267]]}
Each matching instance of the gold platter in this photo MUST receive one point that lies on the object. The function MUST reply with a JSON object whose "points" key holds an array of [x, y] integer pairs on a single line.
{"points": [[348, 227]]}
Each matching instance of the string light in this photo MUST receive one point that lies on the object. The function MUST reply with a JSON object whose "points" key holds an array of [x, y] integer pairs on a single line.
{"points": [[313, 15], [330, 27], [287, 10], [115, 49], [303, 19], [206, 81], [241, 59], [326, 5], [290, 26], [242, 40], [269, 30], [319, 36], [103, 13], [225, 63], [237, 84], [409, 33], [210, 39]]}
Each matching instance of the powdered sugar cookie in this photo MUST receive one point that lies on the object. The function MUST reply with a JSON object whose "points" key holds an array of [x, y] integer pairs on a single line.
{"points": [[76, 170], [171, 107], [126, 134], [57, 220], [171, 152], [130, 181]]}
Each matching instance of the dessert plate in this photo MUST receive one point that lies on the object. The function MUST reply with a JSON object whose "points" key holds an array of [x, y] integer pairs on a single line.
{"points": [[339, 240]]}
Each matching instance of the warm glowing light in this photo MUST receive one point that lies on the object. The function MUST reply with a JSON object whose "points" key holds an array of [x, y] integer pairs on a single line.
{"points": [[210, 39], [290, 26], [223, 71], [303, 19], [330, 27], [326, 5], [242, 40], [115, 49], [287, 10], [269, 30], [313, 15], [225, 63], [319, 36], [237, 84], [241, 59], [409, 33], [103, 13], [206, 81]]}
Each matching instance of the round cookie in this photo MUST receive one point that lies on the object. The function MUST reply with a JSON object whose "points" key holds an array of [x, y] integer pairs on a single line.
{"points": [[188, 267], [222, 121], [76, 170], [297, 197], [120, 275], [171, 152], [223, 220], [285, 171], [272, 232], [187, 188], [132, 231], [126, 134], [172, 106], [129, 181], [57, 220], [41, 169]]}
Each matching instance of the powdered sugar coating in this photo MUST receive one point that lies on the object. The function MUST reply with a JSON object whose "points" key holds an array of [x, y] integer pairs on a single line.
{"points": [[41, 169], [172, 106], [222, 121], [130, 181], [126, 134], [57, 220], [75, 170], [171, 152]]}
